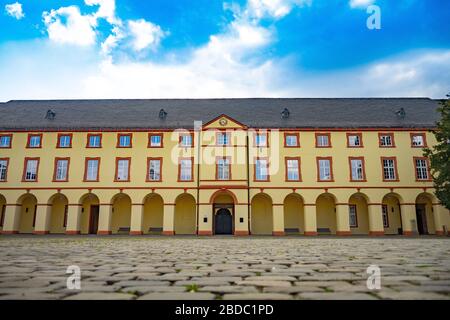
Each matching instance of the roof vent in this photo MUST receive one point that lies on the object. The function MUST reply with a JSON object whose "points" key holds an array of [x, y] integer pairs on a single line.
{"points": [[50, 115], [400, 113], [162, 114], [285, 113]]}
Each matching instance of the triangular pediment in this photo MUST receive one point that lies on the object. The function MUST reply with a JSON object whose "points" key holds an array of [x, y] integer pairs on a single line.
{"points": [[224, 122]]}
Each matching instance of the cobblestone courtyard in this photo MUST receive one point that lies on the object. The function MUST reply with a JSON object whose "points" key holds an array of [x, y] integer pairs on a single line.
{"points": [[116, 267]]}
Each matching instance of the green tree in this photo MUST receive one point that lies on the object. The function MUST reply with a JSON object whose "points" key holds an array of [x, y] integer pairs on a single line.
{"points": [[439, 155]]}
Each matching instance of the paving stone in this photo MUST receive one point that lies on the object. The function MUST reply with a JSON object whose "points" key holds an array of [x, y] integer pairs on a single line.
{"points": [[257, 296], [178, 296], [100, 296], [264, 283], [335, 296], [144, 290], [228, 289]]}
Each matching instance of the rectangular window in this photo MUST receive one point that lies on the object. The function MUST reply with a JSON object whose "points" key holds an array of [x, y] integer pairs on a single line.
{"points": [[292, 169], [154, 169], [223, 169], [31, 169], [64, 141], [5, 141], [61, 169], [323, 140], [389, 169], [223, 138], [124, 141], [324, 168], [262, 170], [3, 169], [92, 168], [94, 141], [354, 140], [291, 140], [186, 140], [261, 139], [34, 140], [357, 169], [155, 140], [384, 209], [386, 139], [353, 216], [185, 169], [418, 140], [421, 165], [122, 169]]}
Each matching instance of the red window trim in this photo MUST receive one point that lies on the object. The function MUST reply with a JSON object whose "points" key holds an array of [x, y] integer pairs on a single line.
{"points": [[387, 215], [151, 134], [124, 134], [217, 138], [179, 169], [268, 169], [297, 134], [160, 169], [185, 134], [10, 140], [428, 168], [364, 179], [356, 215], [323, 134], [359, 134], [55, 169], [34, 135], [89, 135], [318, 168], [261, 132], [86, 166], [117, 167], [7, 169], [423, 134], [386, 134], [286, 169], [217, 168], [25, 169], [64, 134], [395, 169]]}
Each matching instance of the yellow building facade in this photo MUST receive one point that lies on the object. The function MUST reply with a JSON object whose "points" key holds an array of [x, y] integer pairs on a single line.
{"points": [[91, 169]]}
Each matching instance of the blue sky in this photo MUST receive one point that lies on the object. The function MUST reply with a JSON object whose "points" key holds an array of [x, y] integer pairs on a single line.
{"points": [[234, 48]]}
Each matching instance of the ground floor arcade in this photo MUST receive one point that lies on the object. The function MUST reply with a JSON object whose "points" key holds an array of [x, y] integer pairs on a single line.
{"points": [[209, 211]]}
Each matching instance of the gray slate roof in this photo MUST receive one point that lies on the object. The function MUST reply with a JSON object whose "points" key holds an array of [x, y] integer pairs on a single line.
{"points": [[181, 113]]}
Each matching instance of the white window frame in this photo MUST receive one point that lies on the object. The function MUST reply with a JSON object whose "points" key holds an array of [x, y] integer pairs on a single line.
{"points": [[323, 140], [184, 139], [186, 170], [353, 216], [291, 140], [3, 140], [33, 140], [414, 141], [261, 139], [357, 166], [223, 169], [421, 169], [96, 138], [386, 140], [154, 170], [389, 169], [122, 169], [354, 140], [31, 170], [261, 170], [62, 168], [126, 138], [92, 170], [155, 143], [293, 170], [223, 138], [3, 169], [385, 212], [325, 170]]}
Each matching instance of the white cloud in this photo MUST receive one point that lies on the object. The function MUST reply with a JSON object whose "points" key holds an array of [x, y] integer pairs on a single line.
{"points": [[15, 10], [144, 34], [67, 25], [361, 3], [272, 8]]}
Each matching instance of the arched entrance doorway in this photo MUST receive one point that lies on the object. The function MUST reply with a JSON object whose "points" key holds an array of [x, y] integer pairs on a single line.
{"points": [[223, 222], [2, 211], [153, 216], [223, 212], [89, 216], [326, 214], [185, 214], [121, 213], [27, 217], [261, 215], [358, 214], [424, 214], [294, 214], [58, 213], [392, 216]]}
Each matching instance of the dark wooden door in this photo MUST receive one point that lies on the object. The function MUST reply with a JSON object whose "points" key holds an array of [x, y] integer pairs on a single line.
{"points": [[421, 216], [223, 222], [93, 219]]}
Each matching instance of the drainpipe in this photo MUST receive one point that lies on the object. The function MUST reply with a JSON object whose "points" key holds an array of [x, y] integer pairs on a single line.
{"points": [[248, 182], [197, 128]]}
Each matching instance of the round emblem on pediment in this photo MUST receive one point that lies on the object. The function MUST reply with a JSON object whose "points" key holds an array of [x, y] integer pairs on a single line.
{"points": [[223, 121]]}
